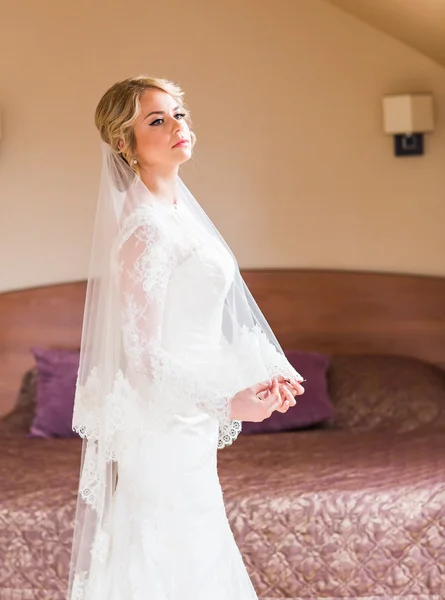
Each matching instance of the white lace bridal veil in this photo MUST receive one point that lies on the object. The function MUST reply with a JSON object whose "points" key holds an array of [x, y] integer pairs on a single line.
{"points": [[109, 407]]}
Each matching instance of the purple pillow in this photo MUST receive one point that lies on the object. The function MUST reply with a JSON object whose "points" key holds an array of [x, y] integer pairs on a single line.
{"points": [[313, 407], [56, 386]]}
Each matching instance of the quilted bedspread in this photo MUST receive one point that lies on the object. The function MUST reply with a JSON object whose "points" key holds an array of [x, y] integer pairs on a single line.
{"points": [[316, 514], [327, 514]]}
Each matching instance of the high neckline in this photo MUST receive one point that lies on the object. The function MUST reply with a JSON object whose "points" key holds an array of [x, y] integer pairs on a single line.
{"points": [[168, 208], [173, 210]]}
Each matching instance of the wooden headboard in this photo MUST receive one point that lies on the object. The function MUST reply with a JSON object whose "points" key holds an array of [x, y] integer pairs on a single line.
{"points": [[328, 311]]}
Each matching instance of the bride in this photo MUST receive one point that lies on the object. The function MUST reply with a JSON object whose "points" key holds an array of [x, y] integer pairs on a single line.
{"points": [[175, 355]]}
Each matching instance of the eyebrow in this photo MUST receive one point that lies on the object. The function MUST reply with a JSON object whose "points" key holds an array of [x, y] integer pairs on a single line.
{"points": [[159, 112]]}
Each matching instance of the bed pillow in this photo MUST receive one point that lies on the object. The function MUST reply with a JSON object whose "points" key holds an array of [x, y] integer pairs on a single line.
{"points": [[393, 393], [312, 408], [56, 386]]}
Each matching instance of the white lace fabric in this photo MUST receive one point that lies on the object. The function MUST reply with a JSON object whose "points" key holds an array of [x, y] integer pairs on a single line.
{"points": [[149, 274], [160, 336], [171, 333]]}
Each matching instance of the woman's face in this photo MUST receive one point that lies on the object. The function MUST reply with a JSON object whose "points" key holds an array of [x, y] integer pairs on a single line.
{"points": [[161, 132]]}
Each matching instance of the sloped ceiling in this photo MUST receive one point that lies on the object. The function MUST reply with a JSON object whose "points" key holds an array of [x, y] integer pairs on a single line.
{"points": [[418, 23]]}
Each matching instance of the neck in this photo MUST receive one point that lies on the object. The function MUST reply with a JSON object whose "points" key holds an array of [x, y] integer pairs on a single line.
{"points": [[161, 183]]}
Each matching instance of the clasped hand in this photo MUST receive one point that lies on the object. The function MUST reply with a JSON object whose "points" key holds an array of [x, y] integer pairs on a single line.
{"points": [[259, 401]]}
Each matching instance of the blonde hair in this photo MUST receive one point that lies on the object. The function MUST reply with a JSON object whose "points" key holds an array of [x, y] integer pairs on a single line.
{"points": [[120, 106]]}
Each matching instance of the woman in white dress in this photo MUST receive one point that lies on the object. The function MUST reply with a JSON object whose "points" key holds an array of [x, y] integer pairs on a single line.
{"points": [[175, 355]]}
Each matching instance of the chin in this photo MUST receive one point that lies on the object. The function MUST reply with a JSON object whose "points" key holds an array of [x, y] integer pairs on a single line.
{"points": [[185, 156]]}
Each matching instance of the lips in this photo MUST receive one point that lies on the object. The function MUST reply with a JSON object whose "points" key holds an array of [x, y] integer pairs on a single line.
{"points": [[182, 142]]}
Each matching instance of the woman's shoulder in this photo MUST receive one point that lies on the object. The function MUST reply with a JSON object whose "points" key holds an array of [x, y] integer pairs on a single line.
{"points": [[146, 221]]}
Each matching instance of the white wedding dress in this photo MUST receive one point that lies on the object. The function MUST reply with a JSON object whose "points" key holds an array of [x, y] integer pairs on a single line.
{"points": [[169, 537]]}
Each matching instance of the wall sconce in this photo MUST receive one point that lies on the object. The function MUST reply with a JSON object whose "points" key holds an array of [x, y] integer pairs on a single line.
{"points": [[407, 117]]}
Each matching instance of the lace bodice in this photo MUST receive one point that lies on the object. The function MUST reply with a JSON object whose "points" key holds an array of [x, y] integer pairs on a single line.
{"points": [[173, 280]]}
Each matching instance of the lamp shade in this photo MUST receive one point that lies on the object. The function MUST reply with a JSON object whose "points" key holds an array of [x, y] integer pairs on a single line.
{"points": [[408, 113]]}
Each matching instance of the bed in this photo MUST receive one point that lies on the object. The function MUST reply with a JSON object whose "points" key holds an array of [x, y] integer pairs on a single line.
{"points": [[352, 509]]}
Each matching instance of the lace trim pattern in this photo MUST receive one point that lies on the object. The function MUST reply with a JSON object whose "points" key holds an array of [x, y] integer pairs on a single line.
{"points": [[80, 582], [88, 406], [99, 415], [259, 355], [254, 351], [100, 547], [90, 484], [99, 423], [228, 433], [155, 257]]}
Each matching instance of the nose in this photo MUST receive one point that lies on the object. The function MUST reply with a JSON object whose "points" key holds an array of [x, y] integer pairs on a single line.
{"points": [[177, 127]]}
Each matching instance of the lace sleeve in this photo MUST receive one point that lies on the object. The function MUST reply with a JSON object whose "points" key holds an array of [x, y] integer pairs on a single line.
{"points": [[146, 260]]}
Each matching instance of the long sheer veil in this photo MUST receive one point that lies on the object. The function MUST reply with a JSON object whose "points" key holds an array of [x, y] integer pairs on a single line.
{"points": [[103, 406]]}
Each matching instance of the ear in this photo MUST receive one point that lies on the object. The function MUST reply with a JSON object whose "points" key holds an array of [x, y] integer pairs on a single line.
{"points": [[120, 144]]}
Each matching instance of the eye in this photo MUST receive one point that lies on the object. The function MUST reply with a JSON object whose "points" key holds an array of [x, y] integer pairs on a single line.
{"points": [[157, 122], [180, 115]]}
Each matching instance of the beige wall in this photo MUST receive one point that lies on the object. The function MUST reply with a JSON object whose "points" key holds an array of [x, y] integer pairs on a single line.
{"points": [[291, 161], [418, 23]]}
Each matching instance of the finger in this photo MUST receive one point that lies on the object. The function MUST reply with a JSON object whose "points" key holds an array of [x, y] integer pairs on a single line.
{"points": [[283, 405], [273, 400], [263, 395], [297, 389], [275, 386], [295, 380], [300, 389], [289, 397], [288, 392], [260, 387], [289, 386], [273, 392], [272, 406]]}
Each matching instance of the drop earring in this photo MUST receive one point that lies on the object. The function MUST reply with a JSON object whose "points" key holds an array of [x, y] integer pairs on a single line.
{"points": [[135, 162]]}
